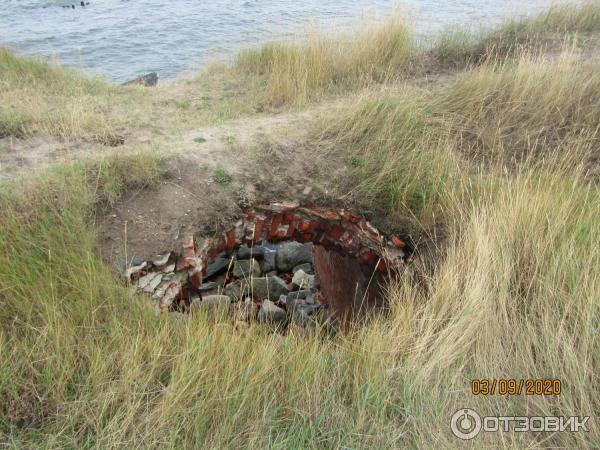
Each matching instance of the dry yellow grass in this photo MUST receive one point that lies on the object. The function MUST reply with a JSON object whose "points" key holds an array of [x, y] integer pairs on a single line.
{"points": [[298, 72], [513, 292]]}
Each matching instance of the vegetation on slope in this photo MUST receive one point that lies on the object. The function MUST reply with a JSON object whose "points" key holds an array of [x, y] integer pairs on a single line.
{"points": [[296, 73], [460, 47], [37, 97], [408, 149], [505, 153]]}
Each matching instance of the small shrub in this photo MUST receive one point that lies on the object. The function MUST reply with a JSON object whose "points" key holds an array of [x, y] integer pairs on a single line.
{"points": [[221, 176]]}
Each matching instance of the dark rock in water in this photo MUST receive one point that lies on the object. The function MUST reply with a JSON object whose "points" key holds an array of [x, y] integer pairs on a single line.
{"points": [[246, 253], [150, 79], [217, 267], [291, 254], [269, 287]]}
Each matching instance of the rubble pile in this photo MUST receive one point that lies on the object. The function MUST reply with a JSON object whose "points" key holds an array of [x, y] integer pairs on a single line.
{"points": [[262, 268]]}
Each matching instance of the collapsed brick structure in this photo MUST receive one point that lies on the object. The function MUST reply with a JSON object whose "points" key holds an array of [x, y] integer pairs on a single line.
{"points": [[343, 244]]}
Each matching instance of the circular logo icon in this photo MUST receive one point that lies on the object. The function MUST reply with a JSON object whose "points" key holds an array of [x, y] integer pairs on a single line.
{"points": [[465, 424]]}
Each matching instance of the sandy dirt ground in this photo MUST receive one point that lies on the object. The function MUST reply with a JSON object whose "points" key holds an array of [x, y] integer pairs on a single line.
{"points": [[206, 184]]}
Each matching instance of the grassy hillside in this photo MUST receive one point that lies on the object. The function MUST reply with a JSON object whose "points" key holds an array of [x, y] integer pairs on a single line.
{"points": [[497, 169]]}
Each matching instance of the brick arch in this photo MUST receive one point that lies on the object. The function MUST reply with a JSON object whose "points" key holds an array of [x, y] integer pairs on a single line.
{"points": [[334, 230]]}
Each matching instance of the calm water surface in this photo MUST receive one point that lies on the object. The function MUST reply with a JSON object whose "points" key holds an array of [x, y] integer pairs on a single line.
{"points": [[123, 38]]}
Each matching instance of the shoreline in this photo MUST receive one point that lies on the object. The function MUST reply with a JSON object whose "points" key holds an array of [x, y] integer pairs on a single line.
{"points": [[194, 65]]}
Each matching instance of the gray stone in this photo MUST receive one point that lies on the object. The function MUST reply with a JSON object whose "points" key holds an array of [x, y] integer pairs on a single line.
{"points": [[148, 80], [302, 294], [208, 286], [305, 303], [246, 268], [269, 256], [310, 310], [271, 313], [291, 253], [269, 287], [237, 290], [168, 269], [299, 317], [145, 280], [213, 304], [171, 292], [244, 252], [306, 267], [148, 283], [303, 280], [217, 267]]}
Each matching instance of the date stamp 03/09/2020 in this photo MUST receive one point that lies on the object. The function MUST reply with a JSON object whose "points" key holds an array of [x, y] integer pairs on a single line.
{"points": [[511, 386]]}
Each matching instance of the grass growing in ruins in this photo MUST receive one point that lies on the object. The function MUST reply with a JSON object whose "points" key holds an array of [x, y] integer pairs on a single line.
{"points": [[506, 153]]}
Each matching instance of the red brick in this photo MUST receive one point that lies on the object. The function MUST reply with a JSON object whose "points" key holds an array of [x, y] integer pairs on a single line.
{"points": [[370, 229], [398, 243], [307, 237], [308, 225], [325, 213], [275, 222], [258, 228], [182, 264], [336, 231], [196, 279], [367, 255], [323, 225], [327, 242], [188, 252], [290, 231], [221, 245], [288, 218], [281, 232], [231, 241], [283, 206], [317, 236], [187, 242]]}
